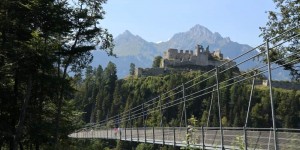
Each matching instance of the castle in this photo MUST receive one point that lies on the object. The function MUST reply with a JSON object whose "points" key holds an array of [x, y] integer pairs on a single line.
{"points": [[173, 58], [199, 58]]}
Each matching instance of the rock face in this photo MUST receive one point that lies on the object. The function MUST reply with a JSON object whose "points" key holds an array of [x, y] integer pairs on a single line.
{"points": [[127, 44]]}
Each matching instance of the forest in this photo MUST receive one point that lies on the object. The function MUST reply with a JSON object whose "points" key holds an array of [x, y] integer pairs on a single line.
{"points": [[124, 94], [41, 42]]}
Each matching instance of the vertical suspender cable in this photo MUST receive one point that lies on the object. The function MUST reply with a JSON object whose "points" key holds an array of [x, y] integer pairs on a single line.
{"points": [[211, 100], [271, 95], [184, 105], [161, 113], [219, 106], [248, 110], [250, 99]]}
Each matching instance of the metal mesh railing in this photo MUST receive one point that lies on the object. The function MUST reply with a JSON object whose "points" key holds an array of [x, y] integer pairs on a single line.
{"points": [[234, 138]]}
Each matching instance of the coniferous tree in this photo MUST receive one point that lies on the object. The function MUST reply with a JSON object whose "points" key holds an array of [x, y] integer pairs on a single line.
{"points": [[132, 69], [39, 41], [156, 62]]}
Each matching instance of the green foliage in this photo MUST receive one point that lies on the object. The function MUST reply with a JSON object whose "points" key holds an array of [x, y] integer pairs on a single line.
{"points": [[128, 93], [156, 61], [40, 41], [144, 146], [193, 121], [132, 69], [94, 144], [239, 143], [168, 148], [124, 145], [190, 135], [234, 101], [285, 17], [224, 121]]}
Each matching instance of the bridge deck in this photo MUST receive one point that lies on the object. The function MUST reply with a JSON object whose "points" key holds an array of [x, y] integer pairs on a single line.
{"points": [[234, 138]]}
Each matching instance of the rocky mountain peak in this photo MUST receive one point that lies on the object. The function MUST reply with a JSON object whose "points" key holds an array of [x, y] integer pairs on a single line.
{"points": [[126, 35], [133, 48], [199, 29]]}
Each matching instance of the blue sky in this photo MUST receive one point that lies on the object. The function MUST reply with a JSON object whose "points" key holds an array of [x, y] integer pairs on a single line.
{"points": [[158, 20]]}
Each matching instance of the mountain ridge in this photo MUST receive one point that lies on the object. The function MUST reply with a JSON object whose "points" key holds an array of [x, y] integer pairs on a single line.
{"points": [[131, 48]]}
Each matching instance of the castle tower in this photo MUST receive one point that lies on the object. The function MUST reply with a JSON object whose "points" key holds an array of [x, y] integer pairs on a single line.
{"points": [[170, 54], [198, 48], [207, 49]]}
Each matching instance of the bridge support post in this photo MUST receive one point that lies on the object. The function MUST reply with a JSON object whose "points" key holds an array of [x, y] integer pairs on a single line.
{"points": [[161, 121], [219, 107], [145, 135], [211, 100], [138, 136], [163, 132], [93, 134], [271, 94], [203, 144], [106, 132], [143, 109], [106, 127], [245, 138], [184, 109], [130, 126], [153, 135], [184, 105], [120, 133], [160, 109], [119, 127], [174, 137], [86, 133]]}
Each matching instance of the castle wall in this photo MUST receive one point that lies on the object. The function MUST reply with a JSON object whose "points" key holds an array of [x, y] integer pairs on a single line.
{"points": [[171, 53], [182, 60], [174, 58], [202, 59], [283, 85], [140, 72]]}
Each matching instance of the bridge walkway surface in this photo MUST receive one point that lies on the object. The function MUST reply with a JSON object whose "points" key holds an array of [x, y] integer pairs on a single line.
{"points": [[197, 137]]}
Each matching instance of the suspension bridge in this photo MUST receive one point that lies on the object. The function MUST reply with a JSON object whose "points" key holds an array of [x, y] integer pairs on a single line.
{"points": [[207, 137]]}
